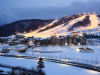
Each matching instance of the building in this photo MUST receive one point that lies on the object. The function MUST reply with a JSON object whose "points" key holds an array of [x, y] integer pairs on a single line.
{"points": [[82, 41], [54, 39], [62, 40]]}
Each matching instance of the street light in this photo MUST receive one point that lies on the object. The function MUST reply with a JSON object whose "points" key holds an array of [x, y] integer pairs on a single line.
{"points": [[94, 12], [56, 56], [88, 13], [84, 13], [78, 58]]}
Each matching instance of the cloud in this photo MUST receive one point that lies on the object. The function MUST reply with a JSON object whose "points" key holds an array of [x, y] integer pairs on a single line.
{"points": [[8, 15]]}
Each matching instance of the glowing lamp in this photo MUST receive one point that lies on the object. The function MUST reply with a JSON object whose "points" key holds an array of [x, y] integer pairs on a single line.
{"points": [[94, 12], [84, 13]]}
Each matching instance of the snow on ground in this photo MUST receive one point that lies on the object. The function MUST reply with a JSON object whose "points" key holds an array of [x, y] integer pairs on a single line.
{"points": [[5, 69], [51, 68], [94, 21], [69, 51], [55, 68]]}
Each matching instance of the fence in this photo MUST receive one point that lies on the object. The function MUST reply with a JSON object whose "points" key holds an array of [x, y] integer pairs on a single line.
{"points": [[59, 58]]}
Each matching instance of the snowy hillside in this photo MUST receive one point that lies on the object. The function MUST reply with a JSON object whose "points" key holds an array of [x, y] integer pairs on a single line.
{"points": [[80, 23], [22, 25]]}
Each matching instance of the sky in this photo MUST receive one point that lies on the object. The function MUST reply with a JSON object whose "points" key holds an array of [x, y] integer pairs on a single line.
{"points": [[14, 10]]}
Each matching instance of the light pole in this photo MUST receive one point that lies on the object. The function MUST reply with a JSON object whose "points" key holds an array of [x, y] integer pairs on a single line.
{"points": [[78, 58], [56, 56], [96, 63]]}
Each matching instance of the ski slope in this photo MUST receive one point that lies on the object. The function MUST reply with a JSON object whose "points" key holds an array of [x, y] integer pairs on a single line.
{"points": [[62, 30]]}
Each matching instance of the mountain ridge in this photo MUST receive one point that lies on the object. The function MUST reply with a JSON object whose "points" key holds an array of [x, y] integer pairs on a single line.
{"points": [[45, 28], [22, 25]]}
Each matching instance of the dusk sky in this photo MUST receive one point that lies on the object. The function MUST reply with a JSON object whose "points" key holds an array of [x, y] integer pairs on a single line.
{"points": [[14, 10]]}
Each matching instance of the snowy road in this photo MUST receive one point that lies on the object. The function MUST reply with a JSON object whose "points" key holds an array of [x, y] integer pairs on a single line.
{"points": [[50, 67]]}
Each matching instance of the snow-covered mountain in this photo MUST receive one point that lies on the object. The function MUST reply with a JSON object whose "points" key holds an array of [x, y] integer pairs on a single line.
{"points": [[22, 25], [80, 23]]}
